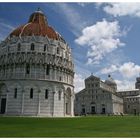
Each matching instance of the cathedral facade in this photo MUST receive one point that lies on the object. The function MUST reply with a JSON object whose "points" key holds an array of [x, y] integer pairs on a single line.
{"points": [[100, 97], [36, 71]]}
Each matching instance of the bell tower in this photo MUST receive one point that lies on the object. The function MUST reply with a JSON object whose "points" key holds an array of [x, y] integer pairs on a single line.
{"points": [[137, 84]]}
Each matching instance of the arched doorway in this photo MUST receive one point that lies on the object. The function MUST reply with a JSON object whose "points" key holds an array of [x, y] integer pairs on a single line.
{"points": [[3, 96], [68, 102], [103, 109], [93, 108]]}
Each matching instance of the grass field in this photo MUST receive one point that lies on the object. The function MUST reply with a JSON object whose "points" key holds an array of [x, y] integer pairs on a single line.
{"points": [[97, 126]]}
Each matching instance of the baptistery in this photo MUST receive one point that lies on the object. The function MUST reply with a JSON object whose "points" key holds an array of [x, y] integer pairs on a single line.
{"points": [[36, 71]]}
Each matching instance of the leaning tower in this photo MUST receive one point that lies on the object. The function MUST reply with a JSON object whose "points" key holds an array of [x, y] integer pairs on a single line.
{"points": [[137, 84], [36, 71]]}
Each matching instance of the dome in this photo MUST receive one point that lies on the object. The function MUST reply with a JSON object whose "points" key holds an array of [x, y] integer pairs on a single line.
{"points": [[37, 26], [110, 81]]}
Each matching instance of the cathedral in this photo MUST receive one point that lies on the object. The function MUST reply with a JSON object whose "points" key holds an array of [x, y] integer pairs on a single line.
{"points": [[36, 71], [102, 97]]}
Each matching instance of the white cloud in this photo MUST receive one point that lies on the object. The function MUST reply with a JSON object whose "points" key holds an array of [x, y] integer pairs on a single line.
{"points": [[123, 9], [98, 4], [111, 69], [101, 38], [82, 4], [127, 70], [73, 17], [5, 29], [6, 26], [78, 82], [125, 85]]}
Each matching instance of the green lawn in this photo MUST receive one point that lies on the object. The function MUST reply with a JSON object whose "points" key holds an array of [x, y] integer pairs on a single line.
{"points": [[97, 126]]}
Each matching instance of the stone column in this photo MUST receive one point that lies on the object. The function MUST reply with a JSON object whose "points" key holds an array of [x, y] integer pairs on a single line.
{"points": [[22, 103], [30, 69], [39, 71], [50, 72], [14, 71], [6, 71], [7, 94], [39, 102], [53, 103], [36, 68], [64, 103], [45, 72], [72, 104], [24, 70], [55, 73]]}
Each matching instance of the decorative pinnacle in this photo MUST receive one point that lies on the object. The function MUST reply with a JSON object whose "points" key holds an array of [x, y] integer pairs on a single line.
{"points": [[38, 9], [109, 75]]}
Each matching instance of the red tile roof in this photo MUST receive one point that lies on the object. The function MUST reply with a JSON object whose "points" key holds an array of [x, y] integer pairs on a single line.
{"points": [[37, 25]]}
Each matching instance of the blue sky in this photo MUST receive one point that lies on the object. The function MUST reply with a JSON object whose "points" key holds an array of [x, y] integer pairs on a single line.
{"points": [[104, 37]]}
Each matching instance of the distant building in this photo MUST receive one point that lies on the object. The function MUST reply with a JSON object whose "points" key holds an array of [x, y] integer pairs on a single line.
{"points": [[100, 97], [131, 99], [36, 71]]}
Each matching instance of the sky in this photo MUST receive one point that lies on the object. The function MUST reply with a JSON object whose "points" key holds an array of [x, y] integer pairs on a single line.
{"points": [[104, 37]]}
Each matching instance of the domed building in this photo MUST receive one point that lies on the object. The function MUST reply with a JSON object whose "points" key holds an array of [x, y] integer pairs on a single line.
{"points": [[98, 97], [36, 71], [111, 82]]}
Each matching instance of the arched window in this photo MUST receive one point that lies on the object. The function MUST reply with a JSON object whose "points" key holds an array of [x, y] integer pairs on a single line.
{"points": [[12, 68], [27, 69], [59, 95], [15, 93], [45, 46], [32, 47], [60, 78], [4, 69], [46, 94], [19, 47], [58, 50], [31, 93], [48, 70], [8, 48]]}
